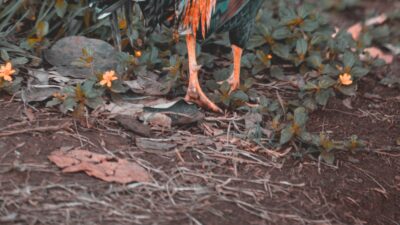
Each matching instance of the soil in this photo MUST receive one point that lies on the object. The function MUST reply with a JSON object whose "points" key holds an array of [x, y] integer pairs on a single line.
{"points": [[199, 184], [206, 179]]}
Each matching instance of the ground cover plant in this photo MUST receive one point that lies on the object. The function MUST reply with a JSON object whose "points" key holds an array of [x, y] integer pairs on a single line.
{"points": [[311, 136]]}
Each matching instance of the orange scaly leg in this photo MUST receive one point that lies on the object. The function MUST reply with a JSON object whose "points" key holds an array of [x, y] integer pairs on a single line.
{"points": [[194, 92], [234, 79]]}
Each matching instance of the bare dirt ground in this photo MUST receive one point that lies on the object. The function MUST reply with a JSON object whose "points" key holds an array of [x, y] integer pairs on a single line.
{"points": [[202, 178]]}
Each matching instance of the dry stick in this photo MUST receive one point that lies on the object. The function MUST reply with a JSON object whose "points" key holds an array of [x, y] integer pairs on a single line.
{"points": [[36, 129], [15, 125]]}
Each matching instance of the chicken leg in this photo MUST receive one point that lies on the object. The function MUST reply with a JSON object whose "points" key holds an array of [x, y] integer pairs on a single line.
{"points": [[234, 79], [194, 92]]}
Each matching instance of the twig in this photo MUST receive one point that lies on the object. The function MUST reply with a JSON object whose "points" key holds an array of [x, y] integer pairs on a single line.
{"points": [[36, 129]]}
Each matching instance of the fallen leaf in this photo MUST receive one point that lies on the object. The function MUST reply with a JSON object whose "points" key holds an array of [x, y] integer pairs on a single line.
{"points": [[179, 111], [157, 119], [133, 124], [355, 30], [375, 52], [377, 20], [147, 84], [41, 76], [395, 49], [123, 108], [104, 167], [39, 93], [154, 144]]}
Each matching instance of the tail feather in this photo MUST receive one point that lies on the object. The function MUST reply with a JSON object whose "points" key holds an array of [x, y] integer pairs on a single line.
{"points": [[198, 13]]}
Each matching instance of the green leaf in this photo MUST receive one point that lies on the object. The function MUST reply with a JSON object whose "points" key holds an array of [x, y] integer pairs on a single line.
{"points": [[306, 136], [281, 33], [310, 104], [53, 102], [323, 96], [277, 72], [20, 61], [349, 59], [61, 7], [42, 29], [348, 90], [222, 74], [359, 72], [315, 61], [304, 10], [225, 88], [240, 95], [300, 116], [4, 55], [330, 70], [94, 102], [69, 90], [309, 86], [68, 105], [301, 47], [212, 85], [286, 135], [88, 89], [326, 82], [281, 50], [310, 25], [248, 83], [118, 87], [286, 13]]}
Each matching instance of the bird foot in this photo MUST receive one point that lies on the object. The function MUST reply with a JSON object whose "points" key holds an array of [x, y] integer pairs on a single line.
{"points": [[196, 95], [234, 83]]}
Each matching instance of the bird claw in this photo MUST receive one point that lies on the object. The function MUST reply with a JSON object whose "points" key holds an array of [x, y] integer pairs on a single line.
{"points": [[232, 82], [197, 96]]}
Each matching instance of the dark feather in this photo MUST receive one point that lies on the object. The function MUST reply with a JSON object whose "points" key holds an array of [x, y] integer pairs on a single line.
{"points": [[233, 16]]}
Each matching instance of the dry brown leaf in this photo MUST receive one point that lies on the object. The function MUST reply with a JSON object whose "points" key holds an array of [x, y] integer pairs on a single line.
{"points": [[158, 119], [355, 30], [375, 52], [377, 20], [104, 167], [154, 144]]}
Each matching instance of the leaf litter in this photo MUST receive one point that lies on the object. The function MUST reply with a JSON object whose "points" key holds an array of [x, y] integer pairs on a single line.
{"points": [[374, 52], [107, 168], [221, 185]]}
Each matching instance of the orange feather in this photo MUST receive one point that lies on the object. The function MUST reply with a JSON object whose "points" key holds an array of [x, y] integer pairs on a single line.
{"points": [[198, 12]]}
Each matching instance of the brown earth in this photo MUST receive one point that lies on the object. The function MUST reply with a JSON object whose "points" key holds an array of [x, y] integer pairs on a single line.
{"points": [[205, 179]]}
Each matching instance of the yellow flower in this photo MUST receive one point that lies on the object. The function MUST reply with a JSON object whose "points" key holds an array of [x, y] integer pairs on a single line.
{"points": [[138, 54], [122, 23], [60, 96], [6, 71], [345, 79], [107, 78]]}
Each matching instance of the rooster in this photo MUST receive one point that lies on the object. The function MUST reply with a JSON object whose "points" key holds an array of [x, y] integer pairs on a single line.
{"points": [[198, 19]]}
